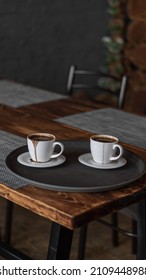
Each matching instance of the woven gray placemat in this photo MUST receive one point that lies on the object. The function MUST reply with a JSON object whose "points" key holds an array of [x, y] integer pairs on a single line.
{"points": [[8, 143], [129, 128], [17, 95]]}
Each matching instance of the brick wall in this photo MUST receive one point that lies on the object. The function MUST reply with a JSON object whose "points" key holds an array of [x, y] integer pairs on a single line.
{"points": [[39, 39]]}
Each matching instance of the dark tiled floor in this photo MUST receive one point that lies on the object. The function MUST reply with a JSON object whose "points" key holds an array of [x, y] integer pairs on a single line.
{"points": [[30, 234]]}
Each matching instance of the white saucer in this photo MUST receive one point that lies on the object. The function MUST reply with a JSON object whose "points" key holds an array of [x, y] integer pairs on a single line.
{"points": [[87, 159], [25, 159]]}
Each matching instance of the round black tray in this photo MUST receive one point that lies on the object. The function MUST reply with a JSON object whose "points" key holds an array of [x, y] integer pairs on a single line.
{"points": [[73, 176]]}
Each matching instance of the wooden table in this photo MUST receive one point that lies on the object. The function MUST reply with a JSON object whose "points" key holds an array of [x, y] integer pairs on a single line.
{"points": [[67, 210]]}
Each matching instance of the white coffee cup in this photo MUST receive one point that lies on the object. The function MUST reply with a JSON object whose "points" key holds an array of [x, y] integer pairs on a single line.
{"points": [[41, 147], [104, 148]]}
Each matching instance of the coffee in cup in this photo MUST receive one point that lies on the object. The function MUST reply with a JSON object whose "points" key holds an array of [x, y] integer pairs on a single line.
{"points": [[104, 148], [41, 147]]}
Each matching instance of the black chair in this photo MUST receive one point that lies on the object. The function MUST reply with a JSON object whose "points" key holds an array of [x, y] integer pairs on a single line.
{"points": [[99, 82], [72, 85], [77, 81]]}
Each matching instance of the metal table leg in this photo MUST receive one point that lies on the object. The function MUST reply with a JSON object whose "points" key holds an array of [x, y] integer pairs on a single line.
{"points": [[141, 231], [60, 242], [8, 222], [82, 242]]}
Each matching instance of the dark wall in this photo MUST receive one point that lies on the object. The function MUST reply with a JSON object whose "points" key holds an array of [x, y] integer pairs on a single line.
{"points": [[40, 39]]}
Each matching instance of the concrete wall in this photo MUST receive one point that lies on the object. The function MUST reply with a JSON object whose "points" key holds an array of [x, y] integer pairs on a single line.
{"points": [[40, 39]]}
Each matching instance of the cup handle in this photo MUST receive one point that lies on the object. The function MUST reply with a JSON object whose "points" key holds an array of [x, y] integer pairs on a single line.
{"points": [[61, 151], [120, 150]]}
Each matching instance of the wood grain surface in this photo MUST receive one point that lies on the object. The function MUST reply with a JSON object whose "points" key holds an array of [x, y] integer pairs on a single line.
{"points": [[71, 210]]}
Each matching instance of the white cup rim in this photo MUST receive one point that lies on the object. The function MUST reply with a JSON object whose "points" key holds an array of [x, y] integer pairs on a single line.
{"points": [[106, 136], [41, 134]]}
